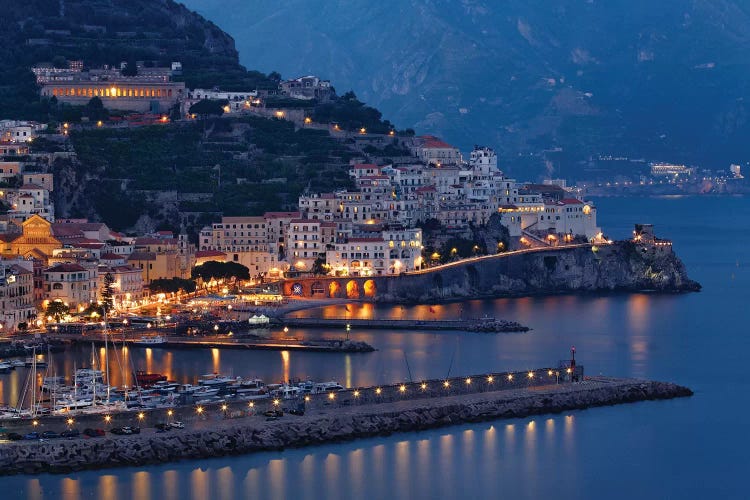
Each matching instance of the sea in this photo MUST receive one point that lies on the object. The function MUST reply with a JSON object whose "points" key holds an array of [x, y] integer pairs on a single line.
{"points": [[695, 447]]}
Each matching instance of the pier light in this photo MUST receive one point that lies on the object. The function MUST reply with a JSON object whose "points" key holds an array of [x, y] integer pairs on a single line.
{"points": [[125, 322], [99, 123], [148, 325], [468, 381], [141, 416], [549, 373], [446, 384], [510, 376], [224, 407], [308, 119], [199, 410], [331, 396], [286, 329], [107, 418], [170, 413], [489, 379], [35, 423], [307, 398], [423, 386], [363, 130], [356, 394], [70, 421], [216, 328], [568, 370], [378, 391], [531, 374], [276, 402], [402, 388]]}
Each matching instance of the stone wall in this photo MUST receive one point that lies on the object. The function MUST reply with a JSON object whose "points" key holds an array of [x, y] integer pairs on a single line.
{"points": [[231, 437]]}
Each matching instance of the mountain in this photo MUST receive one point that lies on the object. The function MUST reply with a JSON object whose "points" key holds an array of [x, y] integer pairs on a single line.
{"points": [[663, 80], [101, 32]]}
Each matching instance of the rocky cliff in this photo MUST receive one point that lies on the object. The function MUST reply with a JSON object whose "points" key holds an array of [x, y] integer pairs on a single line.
{"points": [[621, 266]]}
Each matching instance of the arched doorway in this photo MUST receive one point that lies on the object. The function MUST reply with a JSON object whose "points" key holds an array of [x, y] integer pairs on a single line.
{"points": [[370, 289], [334, 289], [317, 288], [352, 290]]}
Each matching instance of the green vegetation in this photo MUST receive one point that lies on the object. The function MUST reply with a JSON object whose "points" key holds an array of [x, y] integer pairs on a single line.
{"points": [[351, 114], [220, 270], [100, 32], [241, 166], [57, 310]]}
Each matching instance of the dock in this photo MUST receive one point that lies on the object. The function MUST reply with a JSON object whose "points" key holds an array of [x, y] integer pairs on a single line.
{"points": [[222, 342], [469, 324], [241, 427]]}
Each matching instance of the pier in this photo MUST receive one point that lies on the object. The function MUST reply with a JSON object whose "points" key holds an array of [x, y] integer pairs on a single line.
{"points": [[471, 325], [242, 427], [221, 342]]}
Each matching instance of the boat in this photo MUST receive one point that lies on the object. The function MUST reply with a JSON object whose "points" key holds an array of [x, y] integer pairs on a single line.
{"points": [[149, 341], [324, 387], [39, 362], [17, 363], [145, 379], [213, 379], [287, 392], [5, 367]]}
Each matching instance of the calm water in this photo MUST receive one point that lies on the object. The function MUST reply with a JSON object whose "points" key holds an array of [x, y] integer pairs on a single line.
{"points": [[688, 448]]}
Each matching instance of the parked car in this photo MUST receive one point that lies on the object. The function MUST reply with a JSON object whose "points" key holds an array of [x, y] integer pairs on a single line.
{"points": [[14, 436], [70, 433], [177, 425], [93, 432], [50, 435], [31, 435], [162, 427]]}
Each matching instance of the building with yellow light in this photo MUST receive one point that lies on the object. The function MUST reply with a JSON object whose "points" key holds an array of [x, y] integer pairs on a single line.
{"points": [[36, 240]]}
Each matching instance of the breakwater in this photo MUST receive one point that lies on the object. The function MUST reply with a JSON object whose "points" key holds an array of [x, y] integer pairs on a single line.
{"points": [[226, 342], [472, 325], [218, 436]]}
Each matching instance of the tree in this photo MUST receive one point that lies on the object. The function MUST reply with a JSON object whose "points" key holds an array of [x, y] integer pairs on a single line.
{"points": [[220, 270], [319, 266], [108, 297], [95, 110], [208, 107], [57, 310]]}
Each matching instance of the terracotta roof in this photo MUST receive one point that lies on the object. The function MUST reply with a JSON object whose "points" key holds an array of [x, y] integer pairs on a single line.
{"points": [[432, 142], [111, 256], [31, 186], [65, 268], [570, 201], [16, 269], [364, 166], [425, 189], [142, 256], [146, 240]]}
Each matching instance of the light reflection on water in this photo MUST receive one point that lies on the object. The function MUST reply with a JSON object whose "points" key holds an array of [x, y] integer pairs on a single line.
{"points": [[686, 448]]}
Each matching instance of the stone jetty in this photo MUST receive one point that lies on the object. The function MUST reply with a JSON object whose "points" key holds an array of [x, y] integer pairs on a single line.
{"points": [[486, 325], [212, 436]]}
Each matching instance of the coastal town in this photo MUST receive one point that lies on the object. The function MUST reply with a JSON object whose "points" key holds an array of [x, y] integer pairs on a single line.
{"points": [[416, 221], [396, 218]]}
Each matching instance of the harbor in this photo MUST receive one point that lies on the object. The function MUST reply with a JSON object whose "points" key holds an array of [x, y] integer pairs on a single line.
{"points": [[220, 430]]}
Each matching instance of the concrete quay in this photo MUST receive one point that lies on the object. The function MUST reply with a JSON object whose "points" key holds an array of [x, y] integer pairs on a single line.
{"points": [[214, 431], [472, 325], [223, 342]]}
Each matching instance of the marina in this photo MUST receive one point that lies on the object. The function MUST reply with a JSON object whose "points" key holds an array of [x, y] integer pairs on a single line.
{"points": [[219, 430]]}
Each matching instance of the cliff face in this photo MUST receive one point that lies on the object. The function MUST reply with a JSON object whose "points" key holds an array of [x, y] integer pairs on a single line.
{"points": [[640, 78], [621, 266]]}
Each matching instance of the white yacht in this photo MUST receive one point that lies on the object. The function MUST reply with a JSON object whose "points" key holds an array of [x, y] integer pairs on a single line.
{"points": [[149, 341]]}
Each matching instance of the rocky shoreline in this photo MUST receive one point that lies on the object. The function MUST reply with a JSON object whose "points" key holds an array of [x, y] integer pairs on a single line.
{"points": [[233, 437]]}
